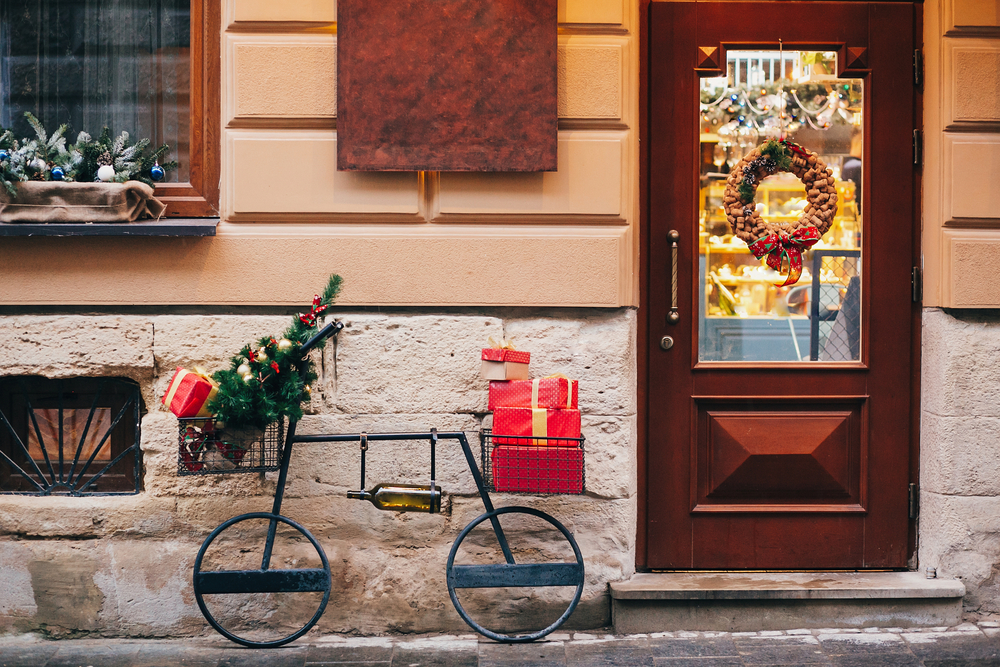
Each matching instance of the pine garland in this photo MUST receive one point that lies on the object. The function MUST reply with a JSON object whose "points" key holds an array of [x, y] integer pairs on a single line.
{"points": [[774, 158], [34, 158], [274, 386]]}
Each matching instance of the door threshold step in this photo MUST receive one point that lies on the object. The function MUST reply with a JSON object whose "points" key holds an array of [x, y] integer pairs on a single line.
{"points": [[748, 601]]}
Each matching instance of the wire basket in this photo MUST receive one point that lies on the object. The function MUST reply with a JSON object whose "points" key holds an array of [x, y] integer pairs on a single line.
{"points": [[203, 448], [521, 464]]}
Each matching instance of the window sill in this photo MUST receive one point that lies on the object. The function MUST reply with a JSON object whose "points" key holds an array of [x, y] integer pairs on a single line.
{"points": [[163, 227]]}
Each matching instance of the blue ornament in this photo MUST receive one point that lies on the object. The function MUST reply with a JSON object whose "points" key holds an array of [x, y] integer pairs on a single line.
{"points": [[157, 172], [4, 156], [57, 173]]}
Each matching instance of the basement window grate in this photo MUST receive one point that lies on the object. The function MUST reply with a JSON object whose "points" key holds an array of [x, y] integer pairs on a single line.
{"points": [[73, 437]]}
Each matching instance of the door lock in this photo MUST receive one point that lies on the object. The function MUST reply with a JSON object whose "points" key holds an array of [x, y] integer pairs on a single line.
{"points": [[667, 342]]}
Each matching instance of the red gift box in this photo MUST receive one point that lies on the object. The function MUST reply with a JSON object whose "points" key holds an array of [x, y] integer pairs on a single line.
{"points": [[499, 354], [189, 393], [555, 392], [538, 423], [538, 469]]}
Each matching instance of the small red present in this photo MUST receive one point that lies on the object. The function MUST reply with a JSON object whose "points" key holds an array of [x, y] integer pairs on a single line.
{"points": [[551, 392], [504, 364], [500, 354], [535, 423], [189, 393], [538, 469]]}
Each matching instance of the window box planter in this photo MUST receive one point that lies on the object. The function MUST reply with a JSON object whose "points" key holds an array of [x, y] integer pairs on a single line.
{"points": [[57, 201]]}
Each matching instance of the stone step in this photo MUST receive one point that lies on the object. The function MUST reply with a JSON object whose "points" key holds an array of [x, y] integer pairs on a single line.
{"points": [[748, 601]]}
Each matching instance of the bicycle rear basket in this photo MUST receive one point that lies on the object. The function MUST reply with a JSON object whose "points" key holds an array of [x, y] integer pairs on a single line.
{"points": [[203, 448], [519, 464]]}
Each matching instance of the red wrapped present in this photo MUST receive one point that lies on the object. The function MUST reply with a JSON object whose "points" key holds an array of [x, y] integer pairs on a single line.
{"points": [[501, 354], [538, 423], [189, 393], [551, 392], [538, 469], [504, 364]]}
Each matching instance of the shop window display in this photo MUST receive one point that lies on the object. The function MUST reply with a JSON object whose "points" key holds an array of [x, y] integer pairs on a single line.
{"points": [[746, 314]]}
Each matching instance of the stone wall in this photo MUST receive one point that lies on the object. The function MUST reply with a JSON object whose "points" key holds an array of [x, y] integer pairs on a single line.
{"points": [[122, 565], [960, 452]]}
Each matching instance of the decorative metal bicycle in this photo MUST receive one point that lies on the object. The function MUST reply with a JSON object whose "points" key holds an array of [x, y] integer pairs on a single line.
{"points": [[249, 598]]}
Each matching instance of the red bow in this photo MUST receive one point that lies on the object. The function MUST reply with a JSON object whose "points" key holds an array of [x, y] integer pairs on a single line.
{"points": [[786, 247], [309, 319], [795, 148]]}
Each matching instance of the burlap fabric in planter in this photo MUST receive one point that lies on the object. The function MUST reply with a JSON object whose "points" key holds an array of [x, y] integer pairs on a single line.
{"points": [[56, 201]]}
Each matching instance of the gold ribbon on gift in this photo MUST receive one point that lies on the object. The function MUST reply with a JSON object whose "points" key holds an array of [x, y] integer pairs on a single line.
{"points": [[175, 384], [539, 424], [536, 383], [504, 344]]}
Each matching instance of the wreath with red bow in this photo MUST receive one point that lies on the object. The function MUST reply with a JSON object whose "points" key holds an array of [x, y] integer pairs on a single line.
{"points": [[782, 243]]}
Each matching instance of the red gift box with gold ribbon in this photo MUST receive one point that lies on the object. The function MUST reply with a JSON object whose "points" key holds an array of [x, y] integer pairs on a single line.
{"points": [[538, 469], [500, 354], [189, 393], [553, 392], [529, 423]]}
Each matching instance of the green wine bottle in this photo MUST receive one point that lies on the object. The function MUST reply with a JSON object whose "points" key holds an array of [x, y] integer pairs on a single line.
{"points": [[402, 497]]}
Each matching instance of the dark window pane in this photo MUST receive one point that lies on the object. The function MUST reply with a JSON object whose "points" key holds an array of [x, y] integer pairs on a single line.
{"points": [[124, 64]]}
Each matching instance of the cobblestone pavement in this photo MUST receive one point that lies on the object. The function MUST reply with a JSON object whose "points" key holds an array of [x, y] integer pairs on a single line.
{"points": [[973, 644]]}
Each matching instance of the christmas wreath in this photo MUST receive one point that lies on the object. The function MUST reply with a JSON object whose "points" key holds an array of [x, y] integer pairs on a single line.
{"points": [[781, 242], [269, 379]]}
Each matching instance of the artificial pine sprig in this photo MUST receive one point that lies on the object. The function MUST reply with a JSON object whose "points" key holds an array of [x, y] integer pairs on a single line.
{"points": [[274, 381], [774, 158], [34, 158]]}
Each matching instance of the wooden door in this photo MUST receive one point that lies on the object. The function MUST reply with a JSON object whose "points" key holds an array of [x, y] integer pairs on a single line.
{"points": [[754, 458]]}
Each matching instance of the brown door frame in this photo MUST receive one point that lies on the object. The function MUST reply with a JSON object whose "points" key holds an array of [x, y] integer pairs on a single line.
{"points": [[643, 335]]}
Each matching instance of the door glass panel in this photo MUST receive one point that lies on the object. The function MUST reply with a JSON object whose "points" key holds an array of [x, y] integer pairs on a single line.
{"points": [[746, 315]]}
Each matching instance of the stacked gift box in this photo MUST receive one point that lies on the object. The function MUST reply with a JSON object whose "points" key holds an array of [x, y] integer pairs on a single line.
{"points": [[203, 447], [536, 443]]}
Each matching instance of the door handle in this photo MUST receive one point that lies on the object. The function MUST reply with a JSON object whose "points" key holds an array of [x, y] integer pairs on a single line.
{"points": [[673, 238]]}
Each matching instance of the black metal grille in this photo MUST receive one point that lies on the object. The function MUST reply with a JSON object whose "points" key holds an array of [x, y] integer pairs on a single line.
{"points": [[76, 436], [518, 464], [836, 308], [204, 448]]}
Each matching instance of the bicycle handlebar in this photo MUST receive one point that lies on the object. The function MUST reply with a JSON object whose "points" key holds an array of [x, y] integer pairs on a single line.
{"points": [[325, 332]]}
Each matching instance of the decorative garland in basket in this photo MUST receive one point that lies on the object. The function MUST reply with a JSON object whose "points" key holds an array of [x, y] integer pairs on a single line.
{"points": [[781, 242]]}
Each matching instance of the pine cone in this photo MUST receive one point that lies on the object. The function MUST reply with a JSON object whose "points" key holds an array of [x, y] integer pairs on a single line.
{"points": [[104, 158]]}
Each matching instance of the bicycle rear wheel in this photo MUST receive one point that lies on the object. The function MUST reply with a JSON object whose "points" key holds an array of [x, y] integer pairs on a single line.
{"points": [[256, 606], [538, 579]]}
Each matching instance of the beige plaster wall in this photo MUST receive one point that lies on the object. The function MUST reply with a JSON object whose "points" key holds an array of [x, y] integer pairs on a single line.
{"points": [[122, 565], [566, 238], [961, 222]]}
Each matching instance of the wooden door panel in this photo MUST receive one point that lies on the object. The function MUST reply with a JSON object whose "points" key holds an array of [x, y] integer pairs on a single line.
{"points": [[766, 457], [827, 488], [778, 542]]}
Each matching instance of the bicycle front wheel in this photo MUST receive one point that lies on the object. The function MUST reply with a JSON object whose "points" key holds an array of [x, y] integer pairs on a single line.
{"points": [[258, 599]]}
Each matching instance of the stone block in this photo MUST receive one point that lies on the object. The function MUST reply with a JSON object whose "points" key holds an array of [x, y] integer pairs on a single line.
{"points": [[956, 381], [64, 517], [412, 363], [960, 456], [18, 601], [159, 444], [960, 536], [610, 448], [206, 341], [147, 588], [595, 347], [59, 346]]}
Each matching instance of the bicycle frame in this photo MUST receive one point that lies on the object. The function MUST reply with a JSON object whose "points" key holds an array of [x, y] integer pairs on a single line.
{"points": [[508, 574]]}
